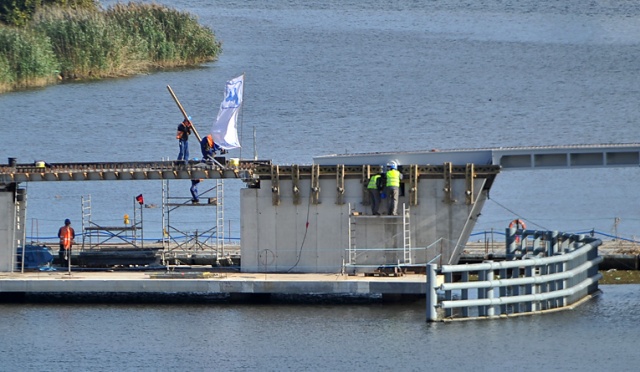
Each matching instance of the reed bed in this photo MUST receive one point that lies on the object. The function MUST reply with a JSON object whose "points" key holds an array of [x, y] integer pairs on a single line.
{"points": [[26, 60], [122, 40], [173, 38]]}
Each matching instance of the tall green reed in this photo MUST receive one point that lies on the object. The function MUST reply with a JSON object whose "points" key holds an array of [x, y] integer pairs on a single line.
{"points": [[174, 38], [26, 59], [122, 40]]}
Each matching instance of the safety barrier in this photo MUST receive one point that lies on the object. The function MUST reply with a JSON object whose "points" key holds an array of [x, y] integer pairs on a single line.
{"points": [[555, 271]]}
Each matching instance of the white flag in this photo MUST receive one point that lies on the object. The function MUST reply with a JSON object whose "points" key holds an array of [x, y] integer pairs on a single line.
{"points": [[225, 129]]}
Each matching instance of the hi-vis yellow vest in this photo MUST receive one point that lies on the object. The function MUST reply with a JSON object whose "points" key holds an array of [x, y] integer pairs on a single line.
{"points": [[393, 178], [373, 182]]}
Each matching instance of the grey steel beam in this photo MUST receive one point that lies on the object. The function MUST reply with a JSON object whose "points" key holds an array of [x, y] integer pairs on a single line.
{"points": [[509, 158]]}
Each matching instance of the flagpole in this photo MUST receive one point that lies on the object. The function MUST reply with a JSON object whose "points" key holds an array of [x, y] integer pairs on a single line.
{"points": [[255, 149], [241, 117]]}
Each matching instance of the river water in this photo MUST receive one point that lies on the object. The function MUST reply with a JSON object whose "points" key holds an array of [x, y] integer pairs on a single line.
{"points": [[600, 335], [349, 76]]}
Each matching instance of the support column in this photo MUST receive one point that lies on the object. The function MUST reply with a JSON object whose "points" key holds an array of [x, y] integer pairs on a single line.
{"points": [[12, 205], [432, 295]]}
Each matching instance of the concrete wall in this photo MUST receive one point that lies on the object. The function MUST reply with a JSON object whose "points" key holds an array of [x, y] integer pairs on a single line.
{"points": [[274, 237], [12, 223], [277, 239]]}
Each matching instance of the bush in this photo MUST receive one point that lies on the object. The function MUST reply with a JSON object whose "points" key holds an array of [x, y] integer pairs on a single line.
{"points": [[19, 12], [91, 43], [26, 59], [173, 38], [88, 46], [6, 75]]}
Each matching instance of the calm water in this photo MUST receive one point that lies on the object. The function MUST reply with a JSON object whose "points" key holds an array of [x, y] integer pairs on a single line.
{"points": [[598, 336], [350, 76]]}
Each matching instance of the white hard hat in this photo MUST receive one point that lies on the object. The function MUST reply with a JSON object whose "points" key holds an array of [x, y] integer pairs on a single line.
{"points": [[392, 165]]}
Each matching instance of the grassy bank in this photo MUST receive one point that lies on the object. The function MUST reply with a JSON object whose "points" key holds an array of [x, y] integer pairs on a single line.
{"points": [[125, 39], [620, 277]]}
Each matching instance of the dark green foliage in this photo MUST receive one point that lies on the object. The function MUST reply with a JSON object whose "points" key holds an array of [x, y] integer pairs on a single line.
{"points": [[172, 37], [87, 43], [88, 46], [26, 59], [19, 12]]}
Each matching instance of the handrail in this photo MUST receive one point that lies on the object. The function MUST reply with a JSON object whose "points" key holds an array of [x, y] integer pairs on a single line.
{"points": [[561, 274], [524, 298], [521, 281], [520, 263]]}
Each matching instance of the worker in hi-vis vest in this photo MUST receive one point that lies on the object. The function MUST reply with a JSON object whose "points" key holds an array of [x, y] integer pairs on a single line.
{"points": [[375, 186], [393, 187], [209, 148], [66, 235]]}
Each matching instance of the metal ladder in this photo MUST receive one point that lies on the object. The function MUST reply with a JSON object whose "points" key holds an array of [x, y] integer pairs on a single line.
{"points": [[85, 202], [352, 236], [19, 233], [220, 215], [165, 218], [406, 234]]}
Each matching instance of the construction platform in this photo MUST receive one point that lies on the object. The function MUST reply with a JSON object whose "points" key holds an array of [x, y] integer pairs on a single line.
{"points": [[208, 283]]}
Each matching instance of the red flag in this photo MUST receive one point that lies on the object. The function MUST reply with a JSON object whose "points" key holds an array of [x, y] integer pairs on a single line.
{"points": [[140, 199]]}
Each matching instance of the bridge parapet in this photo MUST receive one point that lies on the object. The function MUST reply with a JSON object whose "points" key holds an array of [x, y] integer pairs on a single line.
{"points": [[555, 272]]}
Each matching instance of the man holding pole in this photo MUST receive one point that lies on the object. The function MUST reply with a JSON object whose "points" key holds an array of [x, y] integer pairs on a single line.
{"points": [[182, 135]]}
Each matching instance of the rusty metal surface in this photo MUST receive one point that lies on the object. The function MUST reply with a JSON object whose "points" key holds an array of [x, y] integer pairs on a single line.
{"points": [[246, 169], [108, 171]]}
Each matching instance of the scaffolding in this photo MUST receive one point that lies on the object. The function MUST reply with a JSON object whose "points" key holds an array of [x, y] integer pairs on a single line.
{"points": [[376, 257], [177, 241], [95, 236]]}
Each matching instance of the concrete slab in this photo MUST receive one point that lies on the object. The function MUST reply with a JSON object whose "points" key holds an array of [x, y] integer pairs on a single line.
{"points": [[209, 283]]}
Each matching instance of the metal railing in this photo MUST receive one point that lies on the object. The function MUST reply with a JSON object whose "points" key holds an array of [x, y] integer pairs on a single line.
{"points": [[555, 271]]}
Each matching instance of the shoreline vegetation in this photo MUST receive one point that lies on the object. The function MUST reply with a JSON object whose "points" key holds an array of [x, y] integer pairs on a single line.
{"points": [[62, 43], [620, 277]]}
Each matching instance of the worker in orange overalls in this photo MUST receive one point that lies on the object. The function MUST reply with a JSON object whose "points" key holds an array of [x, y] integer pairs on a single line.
{"points": [[66, 235]]}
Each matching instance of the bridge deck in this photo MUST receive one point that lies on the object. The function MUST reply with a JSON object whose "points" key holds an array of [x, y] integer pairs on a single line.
{"points": [[584, 156], [524, 157], [113, 171], [247, 170]]}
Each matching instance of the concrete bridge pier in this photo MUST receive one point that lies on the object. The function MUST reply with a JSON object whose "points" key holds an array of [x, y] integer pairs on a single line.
{"points": [[13, 202]]}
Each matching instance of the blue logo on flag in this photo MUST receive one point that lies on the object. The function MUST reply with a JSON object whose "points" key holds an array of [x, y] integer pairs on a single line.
{"points": [[232, 99]]}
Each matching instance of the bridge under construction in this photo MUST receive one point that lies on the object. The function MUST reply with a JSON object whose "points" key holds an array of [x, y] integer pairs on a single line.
{"points": [[316, 218]]}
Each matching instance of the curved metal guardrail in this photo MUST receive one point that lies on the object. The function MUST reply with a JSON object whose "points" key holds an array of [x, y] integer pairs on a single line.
{"points": [[554, 272]]}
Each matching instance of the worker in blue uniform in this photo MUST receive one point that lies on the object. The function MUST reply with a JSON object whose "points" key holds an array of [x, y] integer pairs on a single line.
{"points": [[194, 191], [209, 148]]}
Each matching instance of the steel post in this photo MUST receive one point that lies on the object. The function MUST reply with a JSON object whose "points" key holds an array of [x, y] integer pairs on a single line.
{"points": [[432, 296]]}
